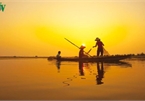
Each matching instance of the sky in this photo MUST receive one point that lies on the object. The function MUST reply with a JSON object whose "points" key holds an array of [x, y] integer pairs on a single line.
{"points": [[38, 27]]}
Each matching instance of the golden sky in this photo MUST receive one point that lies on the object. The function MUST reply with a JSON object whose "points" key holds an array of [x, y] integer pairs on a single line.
{"points": [[38, 27]]}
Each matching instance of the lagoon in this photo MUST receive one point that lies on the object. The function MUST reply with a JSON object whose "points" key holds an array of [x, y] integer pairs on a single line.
{"points": [[40, 79]]}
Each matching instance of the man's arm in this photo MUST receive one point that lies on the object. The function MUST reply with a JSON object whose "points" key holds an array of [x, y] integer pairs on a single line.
{"points": [[95, 45]]}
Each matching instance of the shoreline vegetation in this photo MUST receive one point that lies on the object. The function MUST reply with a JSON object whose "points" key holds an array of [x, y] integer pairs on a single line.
{"points": [[141, 55]]}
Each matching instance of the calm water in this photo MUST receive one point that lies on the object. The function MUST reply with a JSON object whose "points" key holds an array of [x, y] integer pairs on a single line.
{"points": [[40, 79]]}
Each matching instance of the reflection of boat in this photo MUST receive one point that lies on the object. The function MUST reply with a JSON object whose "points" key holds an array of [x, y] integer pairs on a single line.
{"points": [[58, 63], [81, 68], [119, 63], [94, 59]]}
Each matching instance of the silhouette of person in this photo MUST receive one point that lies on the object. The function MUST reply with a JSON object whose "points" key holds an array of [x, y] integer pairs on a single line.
{"points": [[58, 57], [100, 75], [100, 45], [81, 52], [81, 68]]}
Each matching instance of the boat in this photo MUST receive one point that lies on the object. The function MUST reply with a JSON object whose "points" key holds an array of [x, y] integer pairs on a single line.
{"points": [[112, 58]]}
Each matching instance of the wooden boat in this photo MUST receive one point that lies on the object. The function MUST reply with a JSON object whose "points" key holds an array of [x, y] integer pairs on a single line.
{"points": [[93, 59]]}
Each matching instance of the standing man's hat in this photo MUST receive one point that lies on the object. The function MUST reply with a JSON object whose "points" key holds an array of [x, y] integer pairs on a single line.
{"points": [[97, 39]]}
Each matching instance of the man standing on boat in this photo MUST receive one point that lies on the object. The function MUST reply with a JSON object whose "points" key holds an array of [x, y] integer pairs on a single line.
{"points": [[100, 45]]}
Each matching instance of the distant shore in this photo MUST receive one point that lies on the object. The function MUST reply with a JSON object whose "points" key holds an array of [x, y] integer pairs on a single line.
{"points": [[24, 56], [9, 57]]}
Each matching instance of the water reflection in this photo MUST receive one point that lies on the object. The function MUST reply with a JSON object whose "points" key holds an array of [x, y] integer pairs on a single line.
{"points": [[121, 64], [100, 71], [81, 69], [58, 63], [38, 79]]}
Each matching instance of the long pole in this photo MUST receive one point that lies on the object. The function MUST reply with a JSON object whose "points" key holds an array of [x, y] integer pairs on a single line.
{"points": [[76, 46], [72, 43]]}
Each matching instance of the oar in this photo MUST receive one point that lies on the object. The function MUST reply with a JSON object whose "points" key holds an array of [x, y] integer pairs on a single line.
{"points": [[89, 50], [77, 46]]}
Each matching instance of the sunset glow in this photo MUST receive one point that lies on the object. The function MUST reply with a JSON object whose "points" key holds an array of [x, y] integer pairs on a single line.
{"points": [[37, 27]]}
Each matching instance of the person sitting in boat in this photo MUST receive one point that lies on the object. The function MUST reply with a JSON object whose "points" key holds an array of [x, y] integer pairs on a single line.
{"points": [[100, 45], [58, 57], [81, 52]]}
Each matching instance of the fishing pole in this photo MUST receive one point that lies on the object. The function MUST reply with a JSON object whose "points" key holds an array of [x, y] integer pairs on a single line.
{"points": [[76, 46]]}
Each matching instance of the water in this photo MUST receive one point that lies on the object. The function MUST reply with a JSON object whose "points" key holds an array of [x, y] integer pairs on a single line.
{"points": [[40, 79]]}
